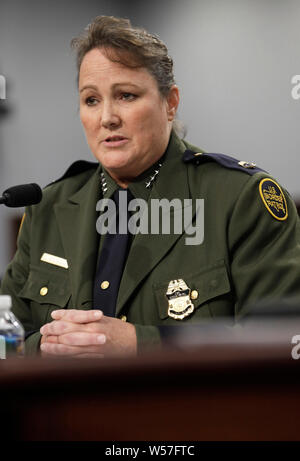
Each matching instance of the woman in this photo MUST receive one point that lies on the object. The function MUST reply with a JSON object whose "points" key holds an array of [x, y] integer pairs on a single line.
{"points": [[85, 295]]}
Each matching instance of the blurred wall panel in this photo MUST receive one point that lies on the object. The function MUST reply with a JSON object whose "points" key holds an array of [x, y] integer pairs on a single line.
{"points": [[44, 134]]}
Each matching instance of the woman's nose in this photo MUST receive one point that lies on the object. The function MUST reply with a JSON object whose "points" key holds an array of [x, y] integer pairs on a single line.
{"points": [[110, 117]]}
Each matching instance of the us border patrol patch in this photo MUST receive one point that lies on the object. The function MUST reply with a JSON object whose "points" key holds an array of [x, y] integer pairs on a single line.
{"points": [[273, 198]]}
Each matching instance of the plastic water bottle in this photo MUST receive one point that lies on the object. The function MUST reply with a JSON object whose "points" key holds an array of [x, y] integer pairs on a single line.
{"points": [[11, 331]]}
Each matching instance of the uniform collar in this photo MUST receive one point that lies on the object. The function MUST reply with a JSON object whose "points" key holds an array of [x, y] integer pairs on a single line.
{"points": [[172, 181], [140, 187], [107, 185]]}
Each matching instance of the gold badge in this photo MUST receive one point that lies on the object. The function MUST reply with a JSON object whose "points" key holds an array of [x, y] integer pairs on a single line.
{"points": [[273, 199], [180, 304]]}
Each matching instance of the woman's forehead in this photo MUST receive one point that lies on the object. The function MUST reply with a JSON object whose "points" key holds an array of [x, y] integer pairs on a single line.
{"points": [[96, 65]]}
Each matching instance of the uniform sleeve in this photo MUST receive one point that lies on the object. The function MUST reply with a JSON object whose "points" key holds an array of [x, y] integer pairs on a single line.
{"points": [[13, 281], [264, 246]]}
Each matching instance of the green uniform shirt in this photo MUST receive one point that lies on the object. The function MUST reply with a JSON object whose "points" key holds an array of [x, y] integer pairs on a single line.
{"points": [[250, 251]]}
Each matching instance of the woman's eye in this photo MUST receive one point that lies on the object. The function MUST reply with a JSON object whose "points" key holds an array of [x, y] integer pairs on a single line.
{"points": [[128, 96], [91, 101]]}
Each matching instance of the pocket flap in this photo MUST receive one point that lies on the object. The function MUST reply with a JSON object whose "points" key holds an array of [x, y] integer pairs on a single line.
{"points": [[46, 287], [210, 282]]}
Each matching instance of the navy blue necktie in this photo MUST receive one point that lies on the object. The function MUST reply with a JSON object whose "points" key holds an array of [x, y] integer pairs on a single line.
{"points": [[112, 260]]}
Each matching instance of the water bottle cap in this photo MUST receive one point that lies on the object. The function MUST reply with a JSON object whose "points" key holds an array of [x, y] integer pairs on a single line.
{"points": [[5, 302]]}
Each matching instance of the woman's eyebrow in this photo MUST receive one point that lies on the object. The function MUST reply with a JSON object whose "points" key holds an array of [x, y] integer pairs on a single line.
{"points": [[116, 85], [92, 87], [126, 84]]}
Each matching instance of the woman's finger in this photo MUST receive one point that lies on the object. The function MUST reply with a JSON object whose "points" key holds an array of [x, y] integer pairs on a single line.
{"points": [[77, 316], [66, 350], [82, 339]]}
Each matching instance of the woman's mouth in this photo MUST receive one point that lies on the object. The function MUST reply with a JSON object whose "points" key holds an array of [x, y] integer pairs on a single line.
{"points": [[115, 141]]}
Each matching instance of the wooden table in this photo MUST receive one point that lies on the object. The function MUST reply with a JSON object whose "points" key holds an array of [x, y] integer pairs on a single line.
{"points": [[211, 391]]}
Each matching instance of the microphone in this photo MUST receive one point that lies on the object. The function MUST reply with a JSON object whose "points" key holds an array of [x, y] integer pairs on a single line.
{"points": [[23, 195]]}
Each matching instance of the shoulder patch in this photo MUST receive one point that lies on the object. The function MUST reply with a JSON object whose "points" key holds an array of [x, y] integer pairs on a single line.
{"points": [[273, 198], [80, 166], [226, 161]]}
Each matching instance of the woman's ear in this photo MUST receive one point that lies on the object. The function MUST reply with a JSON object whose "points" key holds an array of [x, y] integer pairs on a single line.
{"points": [[172, 102]]}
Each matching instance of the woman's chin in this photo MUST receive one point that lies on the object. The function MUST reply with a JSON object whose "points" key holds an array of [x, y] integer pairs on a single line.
{"points": [[113, 161], [115, 166], [120, 170]]}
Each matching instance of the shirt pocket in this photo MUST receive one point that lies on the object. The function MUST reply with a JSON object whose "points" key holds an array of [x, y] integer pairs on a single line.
{"points": [[208, 285], [46, 290]]}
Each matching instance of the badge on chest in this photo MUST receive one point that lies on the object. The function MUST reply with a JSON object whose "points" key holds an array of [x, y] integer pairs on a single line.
{"points": [[179, 300]]}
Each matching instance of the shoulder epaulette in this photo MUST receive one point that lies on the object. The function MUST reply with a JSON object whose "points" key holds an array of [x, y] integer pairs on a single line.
{"points": [[226, 161], [80, 166]]}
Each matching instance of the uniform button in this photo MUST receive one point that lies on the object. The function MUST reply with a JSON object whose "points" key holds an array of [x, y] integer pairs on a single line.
{"points": [[43, 291], [124, 318], [194, 294], [104, 285]]}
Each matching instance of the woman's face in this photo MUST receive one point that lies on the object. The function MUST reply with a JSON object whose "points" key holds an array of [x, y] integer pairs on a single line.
{"points": [[127, 122]]}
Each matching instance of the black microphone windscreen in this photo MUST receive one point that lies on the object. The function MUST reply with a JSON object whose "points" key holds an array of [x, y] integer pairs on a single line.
{"points": [[23, 195]]}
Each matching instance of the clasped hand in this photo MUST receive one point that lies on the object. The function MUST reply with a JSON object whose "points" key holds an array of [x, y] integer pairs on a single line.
{"points": [[81, 334]]}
